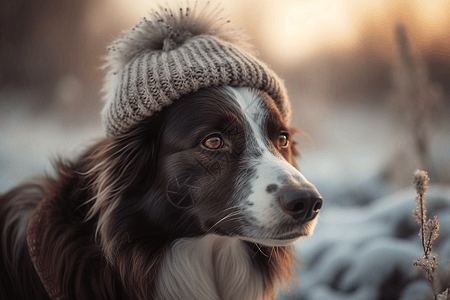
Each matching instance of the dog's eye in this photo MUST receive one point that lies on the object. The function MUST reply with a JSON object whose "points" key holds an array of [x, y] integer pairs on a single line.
{"points": [[214, 142], [283, 140]]}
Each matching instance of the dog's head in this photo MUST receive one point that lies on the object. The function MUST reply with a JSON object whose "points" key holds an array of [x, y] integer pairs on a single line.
{"points": [[220, 161], [227, 158]]}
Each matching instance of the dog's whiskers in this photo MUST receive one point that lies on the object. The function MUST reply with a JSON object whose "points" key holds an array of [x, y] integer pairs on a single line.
{"points": [[232, 214], [260, 250], [232, 207], [271, 252]]}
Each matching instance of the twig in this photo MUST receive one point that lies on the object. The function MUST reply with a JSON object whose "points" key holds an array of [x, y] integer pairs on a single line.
{"points": [[428, 233]]}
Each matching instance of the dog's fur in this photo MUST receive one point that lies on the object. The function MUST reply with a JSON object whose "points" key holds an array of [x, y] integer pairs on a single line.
{"points": [[154, 214]]}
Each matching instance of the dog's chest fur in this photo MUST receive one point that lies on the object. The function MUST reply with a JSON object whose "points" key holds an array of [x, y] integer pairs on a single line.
{"points": [[210, 267]]}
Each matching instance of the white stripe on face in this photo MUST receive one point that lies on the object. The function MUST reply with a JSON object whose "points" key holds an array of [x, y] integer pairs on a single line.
{"points": [[252, 108]]}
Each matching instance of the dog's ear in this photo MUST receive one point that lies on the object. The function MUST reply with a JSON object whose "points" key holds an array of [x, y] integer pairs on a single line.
{"points": [[120, 167], [138, 151], [122, 164]]}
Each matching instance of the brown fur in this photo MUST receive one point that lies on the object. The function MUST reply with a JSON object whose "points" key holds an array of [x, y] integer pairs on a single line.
{"points": [[76, 208]]}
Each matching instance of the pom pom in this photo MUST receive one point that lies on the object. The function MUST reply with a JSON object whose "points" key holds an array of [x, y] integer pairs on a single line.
{"points": [[168, 28]]}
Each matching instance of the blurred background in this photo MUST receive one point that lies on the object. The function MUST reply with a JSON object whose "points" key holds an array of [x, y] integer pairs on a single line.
{"points": [[369, 83]]}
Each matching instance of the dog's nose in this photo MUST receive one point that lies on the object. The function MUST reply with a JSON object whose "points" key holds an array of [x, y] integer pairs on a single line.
{"points": [[301, 203]]}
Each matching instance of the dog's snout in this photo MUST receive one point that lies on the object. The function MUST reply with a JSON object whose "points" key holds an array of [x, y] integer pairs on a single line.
{"points": [[301, 203]]}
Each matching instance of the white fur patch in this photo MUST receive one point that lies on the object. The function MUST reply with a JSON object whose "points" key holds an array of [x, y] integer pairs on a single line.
{"points": [[251, 107], [210, 267]]}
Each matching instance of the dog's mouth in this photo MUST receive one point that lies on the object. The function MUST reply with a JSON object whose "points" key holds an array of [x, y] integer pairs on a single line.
{"points": [[283, 239]]}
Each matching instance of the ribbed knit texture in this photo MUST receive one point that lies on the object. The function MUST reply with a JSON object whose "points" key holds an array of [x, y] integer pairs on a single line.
{"points": [[174, 54]]}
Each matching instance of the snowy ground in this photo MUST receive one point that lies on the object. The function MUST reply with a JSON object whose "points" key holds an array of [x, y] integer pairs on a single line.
{"points": [[366, 238]]}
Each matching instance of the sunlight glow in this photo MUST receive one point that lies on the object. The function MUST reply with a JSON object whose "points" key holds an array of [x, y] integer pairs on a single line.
{"points": [[433, 16], [300, 28], [292, 30]]}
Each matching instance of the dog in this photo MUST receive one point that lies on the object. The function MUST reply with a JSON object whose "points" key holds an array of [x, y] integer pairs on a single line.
{"points": [[203, 208], [201, 200]]}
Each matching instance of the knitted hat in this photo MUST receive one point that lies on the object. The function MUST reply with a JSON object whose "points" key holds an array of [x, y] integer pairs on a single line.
{"points": [[177, 52]]}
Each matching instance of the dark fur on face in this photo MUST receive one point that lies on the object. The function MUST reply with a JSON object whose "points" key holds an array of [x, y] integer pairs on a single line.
{"points": [[108, 221]]}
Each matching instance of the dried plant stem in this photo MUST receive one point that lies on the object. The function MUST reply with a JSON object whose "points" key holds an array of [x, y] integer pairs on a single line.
{"points": [[422, 221], [428, 233]]}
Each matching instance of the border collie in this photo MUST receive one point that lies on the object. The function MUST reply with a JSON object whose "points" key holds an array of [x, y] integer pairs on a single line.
{"points": [[202, 201]]}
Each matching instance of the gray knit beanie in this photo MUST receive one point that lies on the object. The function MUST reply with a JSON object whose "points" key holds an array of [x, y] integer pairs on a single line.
{"points": [[177, 52]]}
